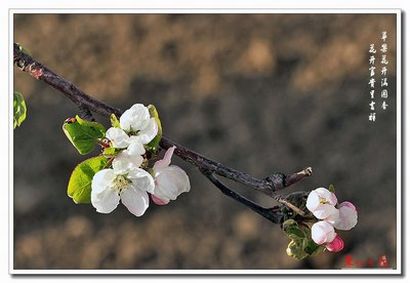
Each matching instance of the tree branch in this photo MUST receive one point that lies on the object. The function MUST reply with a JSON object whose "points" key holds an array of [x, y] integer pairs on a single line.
{"points": [[274, 214], [269, 185]]}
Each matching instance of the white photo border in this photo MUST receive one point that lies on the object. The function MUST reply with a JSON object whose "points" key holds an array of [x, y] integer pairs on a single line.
{"points": [[399, 162]]}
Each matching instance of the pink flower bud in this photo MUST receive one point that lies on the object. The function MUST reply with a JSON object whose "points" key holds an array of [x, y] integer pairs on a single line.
{"points": [[336, 245]]}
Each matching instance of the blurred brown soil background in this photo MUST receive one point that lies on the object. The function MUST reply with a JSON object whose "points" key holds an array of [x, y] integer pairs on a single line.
{"points": [[260, 93]]}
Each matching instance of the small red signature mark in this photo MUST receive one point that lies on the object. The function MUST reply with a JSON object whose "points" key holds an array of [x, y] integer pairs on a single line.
{"points": [[381, 262]]}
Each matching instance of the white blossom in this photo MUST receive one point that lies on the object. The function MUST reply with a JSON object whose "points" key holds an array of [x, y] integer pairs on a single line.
{"points": [[321, 202], [323, 232], [137, 122], [137, 126], [170, 180], [129, 158], [347, 217], [129, 184], [118, 137]]}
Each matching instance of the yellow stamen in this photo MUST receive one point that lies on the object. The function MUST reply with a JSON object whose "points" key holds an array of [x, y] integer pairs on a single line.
{"points": [[121, 182]]}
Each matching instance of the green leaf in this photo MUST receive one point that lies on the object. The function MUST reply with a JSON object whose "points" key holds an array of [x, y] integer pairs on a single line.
{"points": [[79, 185], [20, 109], [295, 250], [301, 244], [114, 121], [332, 188], [311, 248], [110, 151], [83, 134], [292, 230], [154, 144]]}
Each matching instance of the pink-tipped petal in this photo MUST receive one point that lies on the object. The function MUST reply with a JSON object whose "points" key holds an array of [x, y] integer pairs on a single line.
{"points": [[322, 232], [348, 204], [158, 201], [347, 216], [336, 245], [166, 161]]}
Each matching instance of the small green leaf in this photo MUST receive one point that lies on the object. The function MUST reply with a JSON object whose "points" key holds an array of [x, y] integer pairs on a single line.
{"points": [[79, 185], [295, 250], [311, 248], [110, 151], [83, 134], [20, 109], [332, 188], [153, 145], [292, 230], [114, 121]]}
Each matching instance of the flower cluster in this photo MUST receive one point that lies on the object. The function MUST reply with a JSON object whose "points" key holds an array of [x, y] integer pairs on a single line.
{"points": [[324, 206], [129, 179]]}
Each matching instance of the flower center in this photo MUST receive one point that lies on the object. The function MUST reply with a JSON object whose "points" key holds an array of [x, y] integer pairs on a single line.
{"points": [[121, 182], [133, 132], [323, 200]]}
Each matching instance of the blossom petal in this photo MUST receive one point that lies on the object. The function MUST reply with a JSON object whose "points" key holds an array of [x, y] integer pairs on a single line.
{"points": [[313, 201], [327, 195], [318, 197], [336, 245], [135, 147], [323, 232], [166, 161], [148, 132], [118, 137], [103, 197], [141, 179], [170, 182], [347, 216], [325, 211], [135, 200], [134, 118], [101, 180], [124, 162], [159, 201]]}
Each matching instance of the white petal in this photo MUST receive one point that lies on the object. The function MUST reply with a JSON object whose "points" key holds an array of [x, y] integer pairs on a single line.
{"points": [[101, 180], [141, 179], [348, 216], [118, 137], [324, 211], [124, 162], [166, 160], [148, 132], [135, 147], [333, 216], [170, 182], [323, 232], [134, 118], [135, 200], [313, 201], [103, 197]]}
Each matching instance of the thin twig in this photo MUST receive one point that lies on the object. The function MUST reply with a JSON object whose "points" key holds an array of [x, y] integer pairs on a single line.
{"points": [[272, 214]]}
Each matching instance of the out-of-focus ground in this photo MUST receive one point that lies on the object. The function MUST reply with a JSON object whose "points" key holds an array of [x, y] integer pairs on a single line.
{"points": [[260, 93]]}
